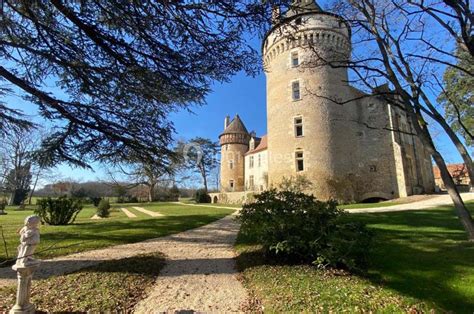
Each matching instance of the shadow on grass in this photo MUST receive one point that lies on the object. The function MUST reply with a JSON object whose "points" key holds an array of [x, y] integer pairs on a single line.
{"points": [[85, 235], [421, 254]]}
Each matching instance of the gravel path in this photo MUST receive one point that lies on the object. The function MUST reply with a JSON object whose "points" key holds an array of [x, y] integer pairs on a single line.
{"points": [[439, 200], [200, 273], [148, 212], [128, 213]]}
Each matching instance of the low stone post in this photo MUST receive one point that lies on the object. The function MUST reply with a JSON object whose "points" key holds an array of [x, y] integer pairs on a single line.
{"points": [[25, 275], [26, 265]]}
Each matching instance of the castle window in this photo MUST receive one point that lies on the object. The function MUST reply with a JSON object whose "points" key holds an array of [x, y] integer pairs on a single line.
{"points": [[251, 162], [295, 60], [251, 183], [299, 127], [299, 156], [231, 185], [259, 160], [295, 90], [298, 21], [231, 164]]}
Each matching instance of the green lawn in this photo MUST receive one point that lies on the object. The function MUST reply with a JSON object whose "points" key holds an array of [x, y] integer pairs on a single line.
{"points": [[86, 234], [420, 261], [368, 205], [110, 287]]}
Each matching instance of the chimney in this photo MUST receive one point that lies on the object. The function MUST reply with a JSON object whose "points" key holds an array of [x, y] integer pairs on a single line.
{"points": [[226, 122], [252, 143], [276, 12]]}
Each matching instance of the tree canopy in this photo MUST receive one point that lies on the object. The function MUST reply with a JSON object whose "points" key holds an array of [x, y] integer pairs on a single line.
{"points": [[457, 96], [118, 68]]}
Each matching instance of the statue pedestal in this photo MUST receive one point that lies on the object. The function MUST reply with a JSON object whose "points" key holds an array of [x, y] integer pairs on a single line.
{"points": [[24, 274], [2, 212]]}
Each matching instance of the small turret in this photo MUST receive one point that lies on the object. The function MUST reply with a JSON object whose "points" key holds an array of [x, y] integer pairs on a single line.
{"points": [[234, 143], [302, 6]]}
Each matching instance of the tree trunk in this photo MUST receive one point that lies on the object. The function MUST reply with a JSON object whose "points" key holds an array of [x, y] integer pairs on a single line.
{"points": [[205, 182], [461, 210], [34, 187], [454, 138], [151, 192]]}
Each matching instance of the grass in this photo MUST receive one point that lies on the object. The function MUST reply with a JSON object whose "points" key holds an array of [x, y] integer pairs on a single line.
{"points": [[368, 205], [112, 286], [86, 234], [420, 261]]}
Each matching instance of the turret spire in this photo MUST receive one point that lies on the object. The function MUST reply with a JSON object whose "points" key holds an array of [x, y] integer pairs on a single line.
{"points": [[303, 6]]}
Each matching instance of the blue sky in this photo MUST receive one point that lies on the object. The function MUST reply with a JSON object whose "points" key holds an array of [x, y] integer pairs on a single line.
{"points": [[242, 95]]}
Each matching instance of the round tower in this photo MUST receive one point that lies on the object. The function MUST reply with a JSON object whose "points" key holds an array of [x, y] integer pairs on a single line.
{"points": [[306, 86], [234, 143]]}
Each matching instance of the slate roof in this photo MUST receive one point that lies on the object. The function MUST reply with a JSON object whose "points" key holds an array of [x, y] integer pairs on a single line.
{"points": [[236, 127], [302, 7]]}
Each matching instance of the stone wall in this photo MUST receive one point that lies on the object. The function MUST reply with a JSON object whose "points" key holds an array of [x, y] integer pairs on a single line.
{"points": [[231, 197], [233, 154], [327, 143]]}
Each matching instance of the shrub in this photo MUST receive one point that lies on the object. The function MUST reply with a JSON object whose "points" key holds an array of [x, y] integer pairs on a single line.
{"points": [[95, 200], [295, 227], [3, 205], [201, 196], [60, 211], [103, 210], [127, 199]]}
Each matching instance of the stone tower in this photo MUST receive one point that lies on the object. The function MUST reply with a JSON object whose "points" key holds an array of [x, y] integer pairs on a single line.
{"points": [[307, 132], [234, 143]]}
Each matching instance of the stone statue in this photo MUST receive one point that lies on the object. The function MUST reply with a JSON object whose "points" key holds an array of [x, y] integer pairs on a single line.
{"points": [[29, 239]]}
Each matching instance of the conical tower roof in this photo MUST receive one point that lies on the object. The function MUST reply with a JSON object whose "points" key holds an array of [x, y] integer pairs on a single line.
{"points": [[236, 127], [303, 6]]}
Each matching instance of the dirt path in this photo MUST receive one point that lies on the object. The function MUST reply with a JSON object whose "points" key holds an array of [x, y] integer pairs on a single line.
{"points": [[128, 213], [148, 212], [200, 273]]}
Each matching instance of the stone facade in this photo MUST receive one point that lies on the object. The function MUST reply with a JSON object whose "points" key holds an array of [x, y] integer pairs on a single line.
{"points": [[234, 145], [319, 126]]}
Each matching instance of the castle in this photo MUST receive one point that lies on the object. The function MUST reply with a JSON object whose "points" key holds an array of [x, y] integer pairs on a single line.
{"points": [[352, 146]]}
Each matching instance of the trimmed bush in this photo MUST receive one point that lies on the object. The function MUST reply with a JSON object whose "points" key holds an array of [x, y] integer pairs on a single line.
{"points": [[60, 211], [201, 196], [103, 210], [95, 200], [295, 227]]}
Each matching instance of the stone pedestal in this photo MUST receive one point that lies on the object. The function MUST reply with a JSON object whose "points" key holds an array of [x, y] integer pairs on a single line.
{"points": [[25, 275]]}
